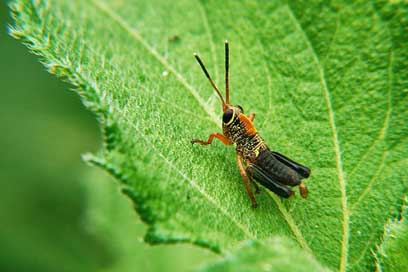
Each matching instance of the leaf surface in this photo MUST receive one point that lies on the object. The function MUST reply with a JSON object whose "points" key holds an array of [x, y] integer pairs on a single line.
{"points": [[274, 254], [328, 84]]}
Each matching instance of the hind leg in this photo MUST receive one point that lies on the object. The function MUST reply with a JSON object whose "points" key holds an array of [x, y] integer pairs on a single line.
{"points": [[303, 189], [246, 180]]}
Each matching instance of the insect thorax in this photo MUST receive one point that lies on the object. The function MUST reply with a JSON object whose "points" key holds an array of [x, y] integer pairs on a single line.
{"points": [[248, 143]]}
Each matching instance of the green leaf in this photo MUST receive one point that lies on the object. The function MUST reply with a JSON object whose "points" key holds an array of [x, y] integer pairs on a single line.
{"points": [[328, 84], [393, 251], [275, 254]]}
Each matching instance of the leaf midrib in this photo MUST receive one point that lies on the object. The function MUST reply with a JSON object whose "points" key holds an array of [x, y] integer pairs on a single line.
{"points": [[381, 136], [119, 20], [339, 164], [134, 34]]}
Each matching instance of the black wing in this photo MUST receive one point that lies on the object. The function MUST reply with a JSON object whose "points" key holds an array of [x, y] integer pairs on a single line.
{"points": [[302, 170], [258, 174]]}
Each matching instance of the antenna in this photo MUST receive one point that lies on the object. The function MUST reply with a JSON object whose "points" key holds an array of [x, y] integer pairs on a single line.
{"points": [[209, 79], [226, 72]]}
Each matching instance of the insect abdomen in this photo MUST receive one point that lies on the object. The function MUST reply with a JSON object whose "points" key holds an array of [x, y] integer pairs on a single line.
{"points": [[277, 170]]}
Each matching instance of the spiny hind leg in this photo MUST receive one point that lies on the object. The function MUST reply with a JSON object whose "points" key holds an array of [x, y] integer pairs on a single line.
{"points": [[251, 116], [246, 180], [217, 135]]}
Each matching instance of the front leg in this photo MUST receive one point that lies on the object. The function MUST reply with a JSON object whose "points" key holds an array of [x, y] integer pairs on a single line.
{"points": [[251, 116], [217, 135]]}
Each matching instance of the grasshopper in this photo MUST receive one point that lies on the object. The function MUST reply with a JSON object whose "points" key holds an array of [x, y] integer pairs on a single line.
{"points": [[255, 159]]}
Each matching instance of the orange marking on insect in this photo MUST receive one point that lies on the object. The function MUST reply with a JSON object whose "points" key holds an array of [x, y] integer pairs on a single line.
{"points": [[250, 128]]}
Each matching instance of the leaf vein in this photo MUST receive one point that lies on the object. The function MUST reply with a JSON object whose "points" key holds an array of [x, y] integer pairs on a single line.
{"points": [[363, 252], [286, 215], [370, 182], [383, 131], [184, 176], [296, 231], [210, 38], [136, 35], [381, 135], [336, 143], [198, 189]]}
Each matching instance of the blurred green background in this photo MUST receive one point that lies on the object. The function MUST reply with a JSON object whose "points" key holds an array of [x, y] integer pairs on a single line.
{"points": [[56, 213]]}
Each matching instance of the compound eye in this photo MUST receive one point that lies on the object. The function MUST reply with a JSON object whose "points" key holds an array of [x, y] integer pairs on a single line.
{"points": [[228, 115], [241, 109]]}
